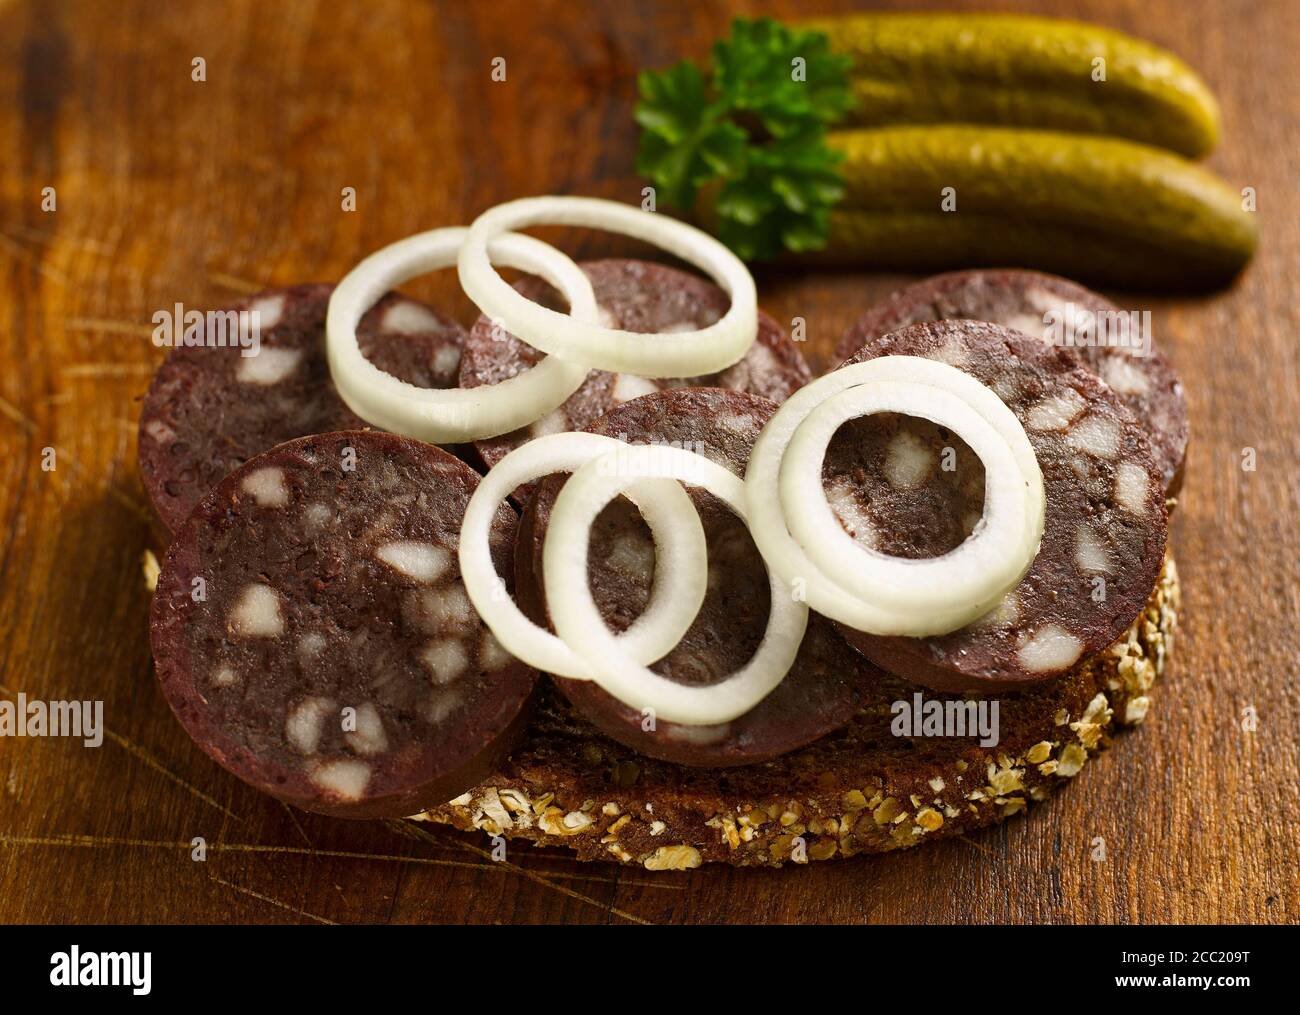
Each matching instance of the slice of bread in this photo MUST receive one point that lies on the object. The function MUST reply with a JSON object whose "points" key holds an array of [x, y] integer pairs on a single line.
{"points": [[861, 790]]}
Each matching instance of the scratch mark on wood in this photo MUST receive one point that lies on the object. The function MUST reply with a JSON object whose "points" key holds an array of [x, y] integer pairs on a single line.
{"points": [[297, 825], [98, 370], [140, 755], [982, 849], [81, 242], [101, 842], [135, 507], [234, 282], [21, 253], [410, 830], [16, 415], [101, 324], [144, 758], [132, 505], [273, 902]]}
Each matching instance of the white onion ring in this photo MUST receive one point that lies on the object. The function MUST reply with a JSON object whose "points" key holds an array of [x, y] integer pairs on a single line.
{"points": [[980, 570], [578, 339], [578, 621], [450, 415], [787, 558], [681, 574]]}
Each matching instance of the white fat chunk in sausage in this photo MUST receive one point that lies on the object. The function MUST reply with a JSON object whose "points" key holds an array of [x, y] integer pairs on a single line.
{"points": [[257, 613], [491, 653], [343, 778], [737, 422], [555, 421], [310, 646], [1006, 613], [1096, 436], [1049, 648], [269, 366], [305, 723], [424, 562], [225, 677], [268, 311], [1055, 412], [1131, 485], [159, 431], [368, 738], [267, 487], [631, 555], [317, 515], [758, 362], [447, 660], [629, 386], [446, 360], [847, 506], [1030, 324], [757, 365], [406, 317], [1043, 303], [605, 317], [1090, 553], [953, 352], [443, 609], [679, 327], [1124, 375], [1005, 386], [440, 705], [908, 462]]}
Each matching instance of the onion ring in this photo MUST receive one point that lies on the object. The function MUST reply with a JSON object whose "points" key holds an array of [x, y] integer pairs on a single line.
{"points": [[681, 575], [449, 415], [980, 570], [578, 621], [579, 339], [787, 558]]}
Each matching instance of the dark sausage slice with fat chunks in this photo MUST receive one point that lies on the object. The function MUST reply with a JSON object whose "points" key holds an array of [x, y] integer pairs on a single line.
{"points": [[828, 681], [210, 408], [639, 296], [1136, 371], [909, 488], [311, 631]]}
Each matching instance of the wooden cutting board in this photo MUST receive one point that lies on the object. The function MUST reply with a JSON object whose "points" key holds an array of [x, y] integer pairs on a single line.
{"points": [[172, 190]]}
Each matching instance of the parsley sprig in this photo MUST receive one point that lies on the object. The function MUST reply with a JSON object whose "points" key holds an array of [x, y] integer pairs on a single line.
{"points": [[759, 127]]}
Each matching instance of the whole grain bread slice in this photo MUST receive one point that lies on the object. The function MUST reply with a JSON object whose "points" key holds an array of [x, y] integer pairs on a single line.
{"points": [[861, 790]]}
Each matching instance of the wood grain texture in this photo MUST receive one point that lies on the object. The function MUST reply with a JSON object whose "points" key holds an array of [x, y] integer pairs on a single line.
{"points": [[169, 190]]}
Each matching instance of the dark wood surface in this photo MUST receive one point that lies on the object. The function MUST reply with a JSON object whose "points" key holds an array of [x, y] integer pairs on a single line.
{"points": [[170, 190]]}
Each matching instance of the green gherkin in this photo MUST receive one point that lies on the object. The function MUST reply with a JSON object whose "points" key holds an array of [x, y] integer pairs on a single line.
{"points": [[1103, 209], [1023, 71]]}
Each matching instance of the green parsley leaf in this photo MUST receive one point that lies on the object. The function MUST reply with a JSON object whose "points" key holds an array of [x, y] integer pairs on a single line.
{"points": [[758, 127]]}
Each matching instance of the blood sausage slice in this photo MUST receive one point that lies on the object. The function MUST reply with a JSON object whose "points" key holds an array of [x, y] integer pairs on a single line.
{"points": [[311, 631], [1136, 371], [210, 408], [828, 681], [909, 488], [639, 296]]}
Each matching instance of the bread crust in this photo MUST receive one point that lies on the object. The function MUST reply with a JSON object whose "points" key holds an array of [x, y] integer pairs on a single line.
{"points": [[861, 790]]}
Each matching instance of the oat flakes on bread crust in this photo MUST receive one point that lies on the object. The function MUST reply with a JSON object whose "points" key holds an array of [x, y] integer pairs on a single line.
{"points": [[861, 790]]}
